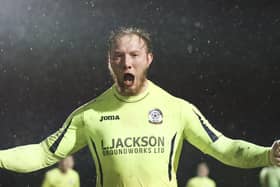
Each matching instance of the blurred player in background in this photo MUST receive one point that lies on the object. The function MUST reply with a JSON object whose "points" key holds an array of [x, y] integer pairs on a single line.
{"points": [[62, 176], [202, 179], [270, 177]]}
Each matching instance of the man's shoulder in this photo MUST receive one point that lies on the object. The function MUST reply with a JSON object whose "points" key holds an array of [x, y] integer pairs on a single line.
{"points": [[191, 181], [105, 96], [211, 180], [273, 170], [196, 178], [74, 172], [160, 92], [52, 172]]}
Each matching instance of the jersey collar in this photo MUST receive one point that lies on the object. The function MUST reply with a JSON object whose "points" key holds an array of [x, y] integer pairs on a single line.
{"points": [[131, 99]]}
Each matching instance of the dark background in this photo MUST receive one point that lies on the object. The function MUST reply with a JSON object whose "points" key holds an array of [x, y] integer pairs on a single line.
{"points": [[223, 56]]}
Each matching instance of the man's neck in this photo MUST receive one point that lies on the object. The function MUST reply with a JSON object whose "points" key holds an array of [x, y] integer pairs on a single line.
{"points": [[132, 97], [143, 88]]}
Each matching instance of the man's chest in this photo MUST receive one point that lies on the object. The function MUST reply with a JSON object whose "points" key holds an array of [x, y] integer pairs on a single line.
{"points": [[134, 121], [148, 131]]}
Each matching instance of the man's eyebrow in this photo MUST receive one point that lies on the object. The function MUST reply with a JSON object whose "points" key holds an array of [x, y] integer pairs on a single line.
{"points": [[135, 51], [117, 51], [132, 51]]}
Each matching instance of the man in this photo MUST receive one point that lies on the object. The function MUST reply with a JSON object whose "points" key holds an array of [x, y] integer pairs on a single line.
{"points": [[202, 178], [63, 176], [270, 177], [135, 130]]}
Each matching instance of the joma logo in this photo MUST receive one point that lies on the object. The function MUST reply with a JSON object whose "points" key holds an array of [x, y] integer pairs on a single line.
{"points": [[111, 117]]}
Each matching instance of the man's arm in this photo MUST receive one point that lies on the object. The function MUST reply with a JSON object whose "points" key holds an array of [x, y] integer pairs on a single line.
{"points": [[26, 158], [239, 153], [62, 143], [232, 152]]}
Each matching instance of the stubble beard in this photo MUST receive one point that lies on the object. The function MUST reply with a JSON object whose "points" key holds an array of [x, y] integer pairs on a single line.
{"points": [[140, 84]]}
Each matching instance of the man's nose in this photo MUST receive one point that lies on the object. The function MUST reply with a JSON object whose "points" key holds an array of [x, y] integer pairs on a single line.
{"points": [[127, 63]]}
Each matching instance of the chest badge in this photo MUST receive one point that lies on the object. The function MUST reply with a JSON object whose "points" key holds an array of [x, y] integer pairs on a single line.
{"points": [[155, 116]]}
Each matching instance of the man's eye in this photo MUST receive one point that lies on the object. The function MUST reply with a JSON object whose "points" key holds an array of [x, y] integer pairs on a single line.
{"points": [[117, 56], [134, 55]]}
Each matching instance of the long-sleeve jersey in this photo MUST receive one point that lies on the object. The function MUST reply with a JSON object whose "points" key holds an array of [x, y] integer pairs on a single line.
{"points": [[135, 141]]}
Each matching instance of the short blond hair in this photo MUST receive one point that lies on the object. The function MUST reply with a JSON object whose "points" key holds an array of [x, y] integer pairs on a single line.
{"points": [[122, 31]]}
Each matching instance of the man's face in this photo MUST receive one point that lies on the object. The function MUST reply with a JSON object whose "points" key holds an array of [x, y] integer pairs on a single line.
{"points": [[202, 170], [66, 163], [128, 63]]}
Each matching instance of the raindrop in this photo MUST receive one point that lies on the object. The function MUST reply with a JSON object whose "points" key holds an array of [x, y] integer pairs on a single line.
{"points": [[92, 4], [25, 77], [197, 24], [72, 45], [29, 8], [183, 20], [55, 65], [276, 21], [190, 48]]}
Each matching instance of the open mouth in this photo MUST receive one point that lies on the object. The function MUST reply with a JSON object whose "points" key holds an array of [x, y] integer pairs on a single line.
{"points": [[128, 79]]}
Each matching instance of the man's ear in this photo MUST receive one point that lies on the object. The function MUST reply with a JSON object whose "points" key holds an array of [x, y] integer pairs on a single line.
{"points": [[150, 57], [108, 58]]}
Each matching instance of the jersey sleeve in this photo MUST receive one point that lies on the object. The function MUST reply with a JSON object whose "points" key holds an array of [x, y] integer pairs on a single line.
{"points": [[67, 140], [197, 130], [200, 133]]}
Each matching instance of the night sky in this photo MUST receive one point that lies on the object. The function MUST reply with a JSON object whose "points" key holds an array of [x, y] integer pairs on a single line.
{"points": [[223, 56]]}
